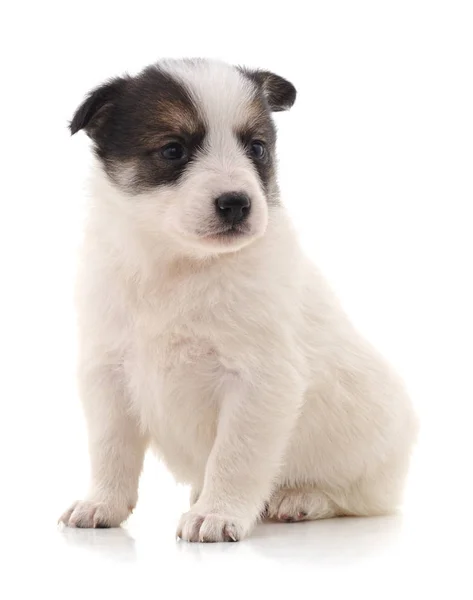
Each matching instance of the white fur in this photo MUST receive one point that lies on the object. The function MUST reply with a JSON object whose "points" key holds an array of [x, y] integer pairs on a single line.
{"points": [[234, 362]]}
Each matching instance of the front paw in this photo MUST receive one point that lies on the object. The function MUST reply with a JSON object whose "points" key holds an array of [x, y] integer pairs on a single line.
{"points": [[94, 515], [205, 526]]}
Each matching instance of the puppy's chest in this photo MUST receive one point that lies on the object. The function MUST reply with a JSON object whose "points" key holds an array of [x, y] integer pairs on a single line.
{"points": [[185, 331], [173, 351], [190, 341], [172, 341], [175, 374]]}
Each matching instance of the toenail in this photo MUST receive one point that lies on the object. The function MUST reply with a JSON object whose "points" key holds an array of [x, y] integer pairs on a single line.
{"points": [[286, 518]]}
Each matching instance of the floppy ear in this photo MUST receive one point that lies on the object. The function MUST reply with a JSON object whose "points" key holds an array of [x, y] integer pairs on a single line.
{"points": [[279, 92], [92, 113]]}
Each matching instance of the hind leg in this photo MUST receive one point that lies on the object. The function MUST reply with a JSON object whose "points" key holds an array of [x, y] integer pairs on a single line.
{"points": [[301, 504]]}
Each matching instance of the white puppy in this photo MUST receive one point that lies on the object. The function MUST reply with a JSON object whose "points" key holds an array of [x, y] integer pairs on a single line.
{"points": [[205, 332]]}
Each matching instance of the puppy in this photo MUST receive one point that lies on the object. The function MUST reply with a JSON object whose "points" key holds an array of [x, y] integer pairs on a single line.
{"points": [[205, 333]]}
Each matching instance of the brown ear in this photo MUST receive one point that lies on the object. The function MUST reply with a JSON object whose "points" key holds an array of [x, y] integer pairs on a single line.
{"points": [[93, 111], [279, 92]]}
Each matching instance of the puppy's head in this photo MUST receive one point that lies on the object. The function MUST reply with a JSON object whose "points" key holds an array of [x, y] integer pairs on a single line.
{"points": [[190, 145]]}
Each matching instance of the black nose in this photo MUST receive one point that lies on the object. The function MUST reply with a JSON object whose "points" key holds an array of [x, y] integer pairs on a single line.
{"points": [[233, 207]]}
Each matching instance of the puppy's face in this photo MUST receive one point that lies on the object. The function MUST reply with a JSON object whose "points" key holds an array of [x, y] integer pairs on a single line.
{"points": [[191, 147]]}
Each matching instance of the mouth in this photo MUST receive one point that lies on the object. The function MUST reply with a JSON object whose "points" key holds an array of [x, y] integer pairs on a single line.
{"points": [[230, 233]]}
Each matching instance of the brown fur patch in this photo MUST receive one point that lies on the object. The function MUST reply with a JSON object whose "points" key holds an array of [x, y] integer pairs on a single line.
{"points": [[131, 119], [260, 127]]}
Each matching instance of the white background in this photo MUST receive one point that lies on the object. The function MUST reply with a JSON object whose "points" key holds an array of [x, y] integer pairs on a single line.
{"points": [[376, 169]]}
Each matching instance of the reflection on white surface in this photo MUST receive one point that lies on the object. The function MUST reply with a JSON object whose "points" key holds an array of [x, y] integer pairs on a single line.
{"points": [[332, 542], [335, 541], [314, 544], [115, 544], [393, 557]]}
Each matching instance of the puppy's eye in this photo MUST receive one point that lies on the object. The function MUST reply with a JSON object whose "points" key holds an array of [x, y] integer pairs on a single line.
{"points": [[173, 151], [258, 149]]}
